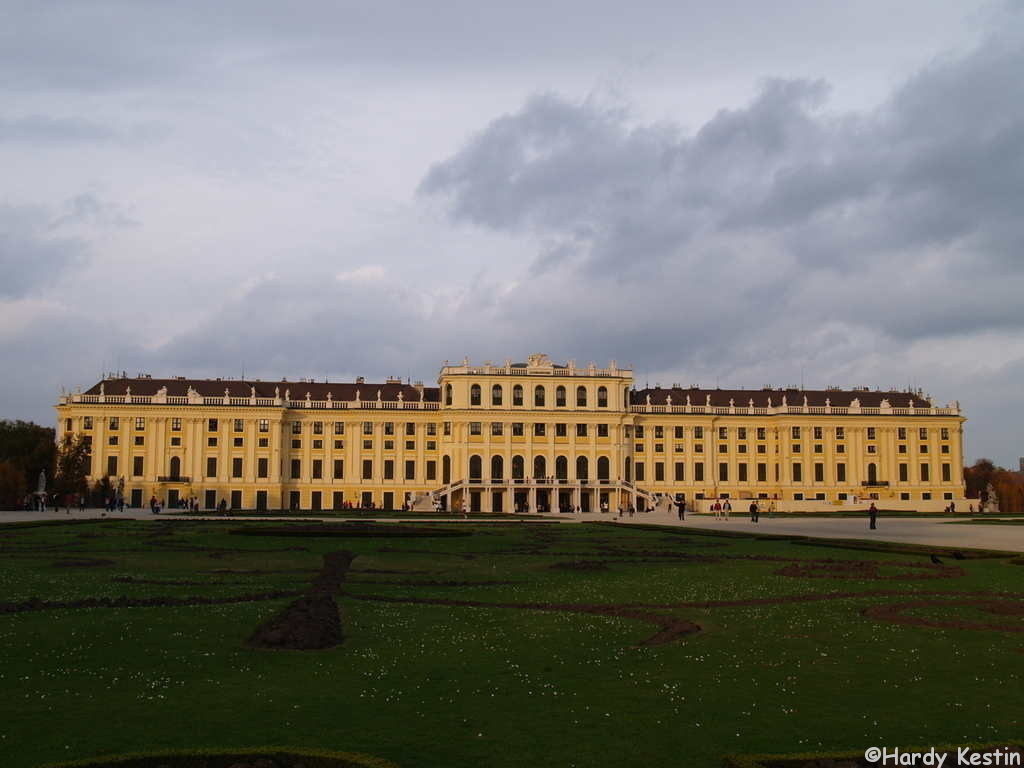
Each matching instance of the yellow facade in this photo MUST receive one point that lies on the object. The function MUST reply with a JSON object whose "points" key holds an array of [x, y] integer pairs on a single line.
{"points": [[529, 436]]}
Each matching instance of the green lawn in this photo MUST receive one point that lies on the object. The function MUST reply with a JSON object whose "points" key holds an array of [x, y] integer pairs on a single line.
{"points": [[512, 683]]}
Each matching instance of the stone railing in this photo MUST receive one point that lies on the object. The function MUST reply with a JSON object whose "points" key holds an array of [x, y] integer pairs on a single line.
{"points": [[257, 402], [775, 410]]}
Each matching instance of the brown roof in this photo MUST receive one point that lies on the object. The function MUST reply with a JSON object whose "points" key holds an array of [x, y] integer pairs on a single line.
{"points": [[242, 388], [742, 397]]}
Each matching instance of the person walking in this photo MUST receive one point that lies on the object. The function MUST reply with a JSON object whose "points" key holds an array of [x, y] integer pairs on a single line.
{"points": [[682, 509], [152, 505], [754, 512], [726, 509], [716, 509], [873, 516], [81, 503]]}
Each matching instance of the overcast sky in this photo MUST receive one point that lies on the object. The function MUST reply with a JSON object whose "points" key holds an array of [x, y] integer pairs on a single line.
{"points": [[830, 193]]}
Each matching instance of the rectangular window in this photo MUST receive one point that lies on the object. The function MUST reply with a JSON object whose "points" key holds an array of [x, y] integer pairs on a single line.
{"points": [[872, 449], [112, 440], [262, 468], [175, 441], [741, 470], [367, 445], [410, 470], [497, 428], [339, 427], [431, 470], [339, 469], [367, 427], [871, 433], [819, 472], [211, 442], [140, 422], [638, 448], [925, 473], [238, 425], [677, 433], [639, 429], [561, 430], [659, 432], [476, 427], [264, 425], [389, 445], [140, 440], [639, 471], [212, 425], [923, 448], [367, 469], [296, 444], [114, 422], [761, 433], [517, 429], [602, 430], [447, 427], [798, 472], [111, 465], [318, 469], [723, 472], [945, 449], [680, 471], [698, 447], [659, 447], [841, 472], [539, 430], [317, 445], [581, 430], [87, 422], [389, 469], [137, 465], [901, 448], [723, 447], [238, 442], [818, 433], [840, 449], [236, 467], [946, 473], [410, 429], [211, 466], [796, 433], [819, 448], [723, 433], [410, 445], [698, 472], [339, 444], [903, 473], [840, 433], [922, 433], [389, 428], [901, 433], [944, 433], [431, 429], [296, 469], [796, 447], [318, 427], [659, 471], [762, 473], [698, 433], [296, 427]]}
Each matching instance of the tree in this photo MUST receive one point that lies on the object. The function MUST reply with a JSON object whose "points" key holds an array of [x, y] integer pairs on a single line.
{"points": [[71, 466], [29, 447], [12, 485], [1009, 486]]}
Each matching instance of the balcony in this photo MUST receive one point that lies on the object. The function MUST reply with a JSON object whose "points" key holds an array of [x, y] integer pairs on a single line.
{"points": [[875, 484], [173, 479]]}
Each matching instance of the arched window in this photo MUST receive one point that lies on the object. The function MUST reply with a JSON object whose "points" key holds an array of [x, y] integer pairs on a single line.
{"points": [[560, 397], [175, 467], [602, 468], [540, 467], [475, 468], [518, 468], [517, 395], [474, 395], [496, 394], [561, 468], [446, 470], [581, 397], [582, 467], [602, 397], [872, 473], [497, 468], [447, 394], [629, 470], [538, 396]]}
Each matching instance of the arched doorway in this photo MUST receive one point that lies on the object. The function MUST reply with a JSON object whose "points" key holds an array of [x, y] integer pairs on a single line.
{"points": [[582, 467], [497, 468], [175, 467], [446, 470], [518, 467], [603, 468], [540, 467], [476, 471], [562, 468]]}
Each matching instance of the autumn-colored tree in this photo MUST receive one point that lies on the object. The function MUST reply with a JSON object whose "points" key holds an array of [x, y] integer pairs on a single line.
{"points": [[1009, 486], [72, 466], [12, 485]]}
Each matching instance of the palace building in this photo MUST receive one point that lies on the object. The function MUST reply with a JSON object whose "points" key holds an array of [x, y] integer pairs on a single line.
{"points": [[533, 436]]}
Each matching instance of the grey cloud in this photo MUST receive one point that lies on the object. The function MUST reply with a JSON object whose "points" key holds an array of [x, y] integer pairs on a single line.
{"points": [[31, 256], [44, 129]]}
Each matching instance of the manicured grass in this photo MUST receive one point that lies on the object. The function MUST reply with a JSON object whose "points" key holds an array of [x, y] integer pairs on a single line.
{"points": [[502, 682]]}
